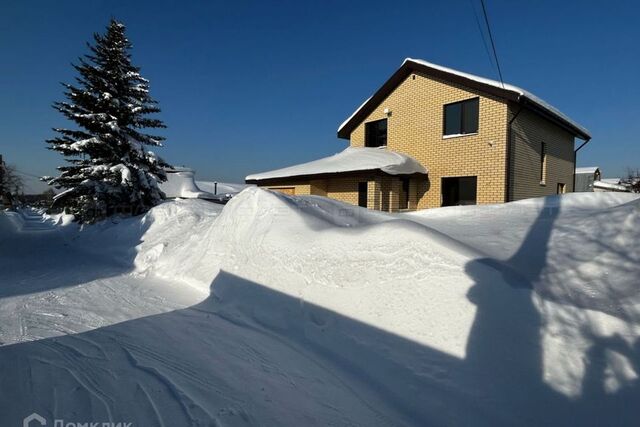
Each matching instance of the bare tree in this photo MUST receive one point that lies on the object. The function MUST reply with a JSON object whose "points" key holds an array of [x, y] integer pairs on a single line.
{"points": [[10, 180], [633, 179]]}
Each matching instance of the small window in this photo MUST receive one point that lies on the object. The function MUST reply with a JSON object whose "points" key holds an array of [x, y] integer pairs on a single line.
{"points": [[461, 118], [561, 189], [543, 162], [376, 133]]}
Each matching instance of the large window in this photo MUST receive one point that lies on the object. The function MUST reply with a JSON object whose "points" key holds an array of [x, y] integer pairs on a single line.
{"points": [[376, 133], [459, 190], [461, 118]]}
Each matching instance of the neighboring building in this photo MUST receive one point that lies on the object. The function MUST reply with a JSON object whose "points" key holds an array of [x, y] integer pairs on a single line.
{"points": [[444, 138], [181, 183], [585, 177], [608, 185]]}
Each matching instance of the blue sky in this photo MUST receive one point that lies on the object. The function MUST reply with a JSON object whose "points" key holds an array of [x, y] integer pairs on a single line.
{"points": [[251, 86]]}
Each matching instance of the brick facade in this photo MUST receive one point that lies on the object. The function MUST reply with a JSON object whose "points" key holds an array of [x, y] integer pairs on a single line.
{"points": [[415, 128], [414, 110]]}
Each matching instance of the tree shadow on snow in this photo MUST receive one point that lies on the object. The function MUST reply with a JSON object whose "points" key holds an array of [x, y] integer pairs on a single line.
{"points": [[38, 261], [505, 355], [250, 355]]}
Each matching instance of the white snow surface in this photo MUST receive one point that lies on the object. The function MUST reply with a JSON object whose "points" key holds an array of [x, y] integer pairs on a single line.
{"points": [[609, 186], [519, 91], [587, 169], [181, 183], [221, 187], [279, 310], [349, 160]]}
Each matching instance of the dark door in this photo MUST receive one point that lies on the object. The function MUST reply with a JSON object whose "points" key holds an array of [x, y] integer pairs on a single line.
{"points": [[460, 190], [362, 194], [404, 193]]}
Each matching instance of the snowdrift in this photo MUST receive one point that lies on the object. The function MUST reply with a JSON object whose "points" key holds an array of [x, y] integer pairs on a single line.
{"points": [[310, 311]]}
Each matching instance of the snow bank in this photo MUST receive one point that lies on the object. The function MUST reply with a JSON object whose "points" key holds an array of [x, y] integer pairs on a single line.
{"points": [[422, 277], [318, 312], [349, 160]]}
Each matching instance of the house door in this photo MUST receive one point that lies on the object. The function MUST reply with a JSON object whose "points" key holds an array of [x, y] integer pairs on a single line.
{"points": [[460, 190], [362, 194]]}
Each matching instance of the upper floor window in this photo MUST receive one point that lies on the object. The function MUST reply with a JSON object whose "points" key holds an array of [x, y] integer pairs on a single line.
{"points": [[376, 133], [461, 117]]}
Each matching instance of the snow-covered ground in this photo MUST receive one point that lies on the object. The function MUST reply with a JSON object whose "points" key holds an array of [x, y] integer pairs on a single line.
{"points": [[277, 310]]}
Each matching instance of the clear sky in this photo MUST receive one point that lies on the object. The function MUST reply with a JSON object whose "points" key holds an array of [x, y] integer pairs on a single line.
{"points": [[251, 86]]}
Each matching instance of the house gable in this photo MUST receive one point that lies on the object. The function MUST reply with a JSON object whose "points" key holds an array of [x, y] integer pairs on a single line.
{"points": [[415, 128], [502, 90]]}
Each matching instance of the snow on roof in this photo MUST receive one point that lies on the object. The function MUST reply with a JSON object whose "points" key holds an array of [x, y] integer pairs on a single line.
{"points": [[611, 180], [181, 183], [609, 186], [349, 160], [505, 86], [587, 169]]}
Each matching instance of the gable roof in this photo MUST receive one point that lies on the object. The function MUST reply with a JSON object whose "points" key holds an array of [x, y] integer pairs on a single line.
{"points": [[493, 87], [349, 160]]}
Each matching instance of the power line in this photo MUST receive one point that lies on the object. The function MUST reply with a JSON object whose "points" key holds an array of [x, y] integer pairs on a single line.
{"points": [[493, 45], [484, 39]]}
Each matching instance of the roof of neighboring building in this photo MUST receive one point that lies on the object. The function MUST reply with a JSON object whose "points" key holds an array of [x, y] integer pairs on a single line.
{"points": [[612, 180], [609, 186], [507, 91], [350, 160], [587, 169], [181, 183]]}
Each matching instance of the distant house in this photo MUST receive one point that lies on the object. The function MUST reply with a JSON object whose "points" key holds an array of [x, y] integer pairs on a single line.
{"points": [[432, 136], [181, 183], [614, 185], [585, 177]]}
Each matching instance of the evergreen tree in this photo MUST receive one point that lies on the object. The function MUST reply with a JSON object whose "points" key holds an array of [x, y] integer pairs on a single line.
{"points": [[109, 169]]}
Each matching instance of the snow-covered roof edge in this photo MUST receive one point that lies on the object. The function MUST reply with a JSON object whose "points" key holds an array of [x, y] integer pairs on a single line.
{"points": [[609, 186], [352, 159], [521, 94], [587, 169]]}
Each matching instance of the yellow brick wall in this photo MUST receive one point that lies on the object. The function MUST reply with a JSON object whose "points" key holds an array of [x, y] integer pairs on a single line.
{"points": [[415, 127], [382, 191], [528, 132]]}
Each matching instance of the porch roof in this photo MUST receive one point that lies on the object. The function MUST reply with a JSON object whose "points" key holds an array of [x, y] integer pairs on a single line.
{"points": [[351, 159]]}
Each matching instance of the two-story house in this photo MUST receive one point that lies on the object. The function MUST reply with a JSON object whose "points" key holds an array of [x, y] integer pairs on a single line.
{"points": [[432, 136]]}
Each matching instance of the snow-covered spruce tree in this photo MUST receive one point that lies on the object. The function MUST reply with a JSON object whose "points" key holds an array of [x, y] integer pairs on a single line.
{"points": [[109, 170]]}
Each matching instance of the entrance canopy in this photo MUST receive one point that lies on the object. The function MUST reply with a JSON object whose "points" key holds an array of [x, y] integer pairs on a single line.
{"points": [[351, 159]]}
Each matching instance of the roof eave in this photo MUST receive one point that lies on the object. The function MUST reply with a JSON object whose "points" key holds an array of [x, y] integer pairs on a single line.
{"points": [[322, 175], [409, 66]]}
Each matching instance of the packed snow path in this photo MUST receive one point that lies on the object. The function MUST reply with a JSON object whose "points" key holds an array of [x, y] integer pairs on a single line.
{"points": [[305, 311]]}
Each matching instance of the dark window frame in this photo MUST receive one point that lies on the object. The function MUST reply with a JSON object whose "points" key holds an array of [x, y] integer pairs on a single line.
{"points": [[451, 187], [368, 137], [464, 105]]}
